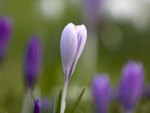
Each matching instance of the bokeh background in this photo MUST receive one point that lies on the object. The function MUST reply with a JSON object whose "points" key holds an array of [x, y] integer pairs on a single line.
{"points": [[118, 31]]}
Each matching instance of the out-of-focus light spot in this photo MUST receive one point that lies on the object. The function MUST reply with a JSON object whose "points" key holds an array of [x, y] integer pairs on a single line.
{"points": [[142, 20], [135, 11], [111, 37], [51, 9], [146, 2], [122, 9]]}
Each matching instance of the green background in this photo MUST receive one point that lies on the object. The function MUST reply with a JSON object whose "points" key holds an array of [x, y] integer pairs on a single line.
{"points": [[28, 21]]}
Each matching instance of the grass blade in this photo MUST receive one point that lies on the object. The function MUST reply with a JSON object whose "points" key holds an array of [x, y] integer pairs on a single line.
{"points": [[78, 100], [59, 102], [54, 104]]}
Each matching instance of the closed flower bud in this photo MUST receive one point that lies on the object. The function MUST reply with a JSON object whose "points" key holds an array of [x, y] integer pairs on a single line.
{"points": [[131, 85], [73, 40], [37, 106], [101, 90], [32, 61], [5, 32]]}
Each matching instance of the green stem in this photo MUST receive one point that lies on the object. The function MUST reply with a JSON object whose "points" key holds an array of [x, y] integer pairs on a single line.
{"points": [[63, 100]]}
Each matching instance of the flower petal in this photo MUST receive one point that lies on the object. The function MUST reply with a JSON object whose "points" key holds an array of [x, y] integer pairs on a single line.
{"points": [[81, 40], [68, 47]]}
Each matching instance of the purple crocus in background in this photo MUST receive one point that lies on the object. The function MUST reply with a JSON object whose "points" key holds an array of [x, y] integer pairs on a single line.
{"points": [[5, 34], [131, 85], [46, 104], [32, 61], [37, 106], [92, 13], [101, 91], [73, 40]]}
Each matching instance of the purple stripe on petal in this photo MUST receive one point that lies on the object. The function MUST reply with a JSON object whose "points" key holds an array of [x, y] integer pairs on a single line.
{"points": [[79, 42], [79, 39]]}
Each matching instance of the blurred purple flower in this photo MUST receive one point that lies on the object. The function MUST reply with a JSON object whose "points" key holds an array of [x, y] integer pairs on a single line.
{"points": [[101, 90], [131, 85], [5, 33], [46, 104], [32, 61], [37, 106], [73, 40], [92, 12]]}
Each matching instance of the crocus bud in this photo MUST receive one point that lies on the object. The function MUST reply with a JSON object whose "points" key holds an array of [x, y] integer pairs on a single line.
{"points": [[5, 32], [131, 85], [32, 61], [101, 90], [73, 40], [37, 107]]}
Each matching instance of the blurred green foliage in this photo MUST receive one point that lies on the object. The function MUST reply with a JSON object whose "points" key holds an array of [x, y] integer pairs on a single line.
{"points": [[28, 21]]}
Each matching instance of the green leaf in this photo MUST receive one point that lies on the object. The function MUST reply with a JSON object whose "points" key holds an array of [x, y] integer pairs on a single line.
{"points": [[54, 104], [59, 102], [78, 100]]}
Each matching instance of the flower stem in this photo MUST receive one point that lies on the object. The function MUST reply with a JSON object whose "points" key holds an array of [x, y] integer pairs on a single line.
{"points": [[27, 106], [32, 94], [63, 100]]}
